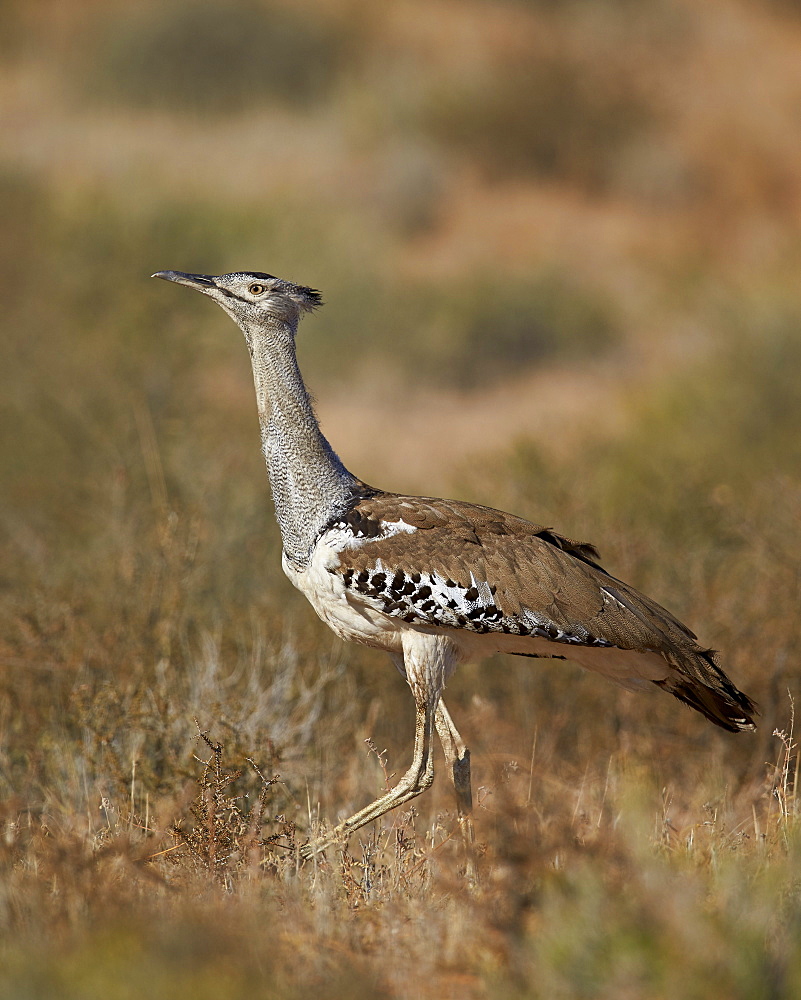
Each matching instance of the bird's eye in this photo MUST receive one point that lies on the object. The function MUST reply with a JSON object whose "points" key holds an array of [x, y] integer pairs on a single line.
{"points": [[256, 289]]}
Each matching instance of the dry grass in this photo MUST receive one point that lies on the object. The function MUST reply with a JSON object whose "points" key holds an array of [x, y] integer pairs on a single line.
{"points": [[174, 723]]}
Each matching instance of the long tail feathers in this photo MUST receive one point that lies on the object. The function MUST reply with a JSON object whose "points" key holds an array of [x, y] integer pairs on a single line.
{"points": [[713, 695]]}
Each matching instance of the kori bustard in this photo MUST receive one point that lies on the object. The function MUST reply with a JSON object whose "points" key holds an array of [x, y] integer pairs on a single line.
{"points": [[435, 582]]}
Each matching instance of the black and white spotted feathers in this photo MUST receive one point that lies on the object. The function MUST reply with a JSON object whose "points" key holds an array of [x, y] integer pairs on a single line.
{"points": [[428, 599]]}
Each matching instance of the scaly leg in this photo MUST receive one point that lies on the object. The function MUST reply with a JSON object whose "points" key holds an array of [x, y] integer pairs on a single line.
{"points": [[458, 757], [456, 753], [419, 777]]}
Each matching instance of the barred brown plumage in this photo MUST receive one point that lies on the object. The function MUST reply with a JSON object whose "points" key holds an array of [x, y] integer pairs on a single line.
{"points": [[434, 582]]}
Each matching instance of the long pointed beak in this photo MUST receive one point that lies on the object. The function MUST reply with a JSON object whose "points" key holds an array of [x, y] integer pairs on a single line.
{"points": [[198, 281]]}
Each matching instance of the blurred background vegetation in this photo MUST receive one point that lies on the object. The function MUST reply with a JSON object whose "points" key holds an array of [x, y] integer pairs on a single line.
{"points": [[560, 245]]}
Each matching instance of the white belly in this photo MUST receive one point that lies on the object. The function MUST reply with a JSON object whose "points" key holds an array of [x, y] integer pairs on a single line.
{"points": [[357, 618], [348, 616]]}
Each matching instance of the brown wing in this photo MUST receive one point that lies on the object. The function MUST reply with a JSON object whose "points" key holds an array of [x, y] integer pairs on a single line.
{"points": [[532, 572], [460, 565]]}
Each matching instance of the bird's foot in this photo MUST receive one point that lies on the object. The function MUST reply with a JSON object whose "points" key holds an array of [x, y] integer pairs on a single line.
{"points": [[308, 851], [314, 848]]}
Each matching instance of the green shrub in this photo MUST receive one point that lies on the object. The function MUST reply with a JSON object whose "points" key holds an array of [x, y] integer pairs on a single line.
{"points": [[490, 326]]}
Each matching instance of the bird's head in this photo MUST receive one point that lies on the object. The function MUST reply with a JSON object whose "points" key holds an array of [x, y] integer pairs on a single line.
{"points": [[251, 298]]}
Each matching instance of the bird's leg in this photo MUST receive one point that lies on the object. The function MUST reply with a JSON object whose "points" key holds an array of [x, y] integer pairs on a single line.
{"points": [[458, 757], [419, 777]]}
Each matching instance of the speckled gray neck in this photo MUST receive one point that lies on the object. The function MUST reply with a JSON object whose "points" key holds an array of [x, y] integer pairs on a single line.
{"points": [[310, 485]]}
